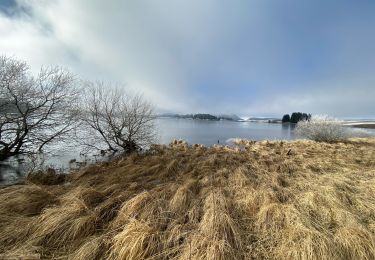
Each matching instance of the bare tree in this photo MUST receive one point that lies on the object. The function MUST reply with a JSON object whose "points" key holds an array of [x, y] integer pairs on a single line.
{"points": [[34, 111], [115, 120]]}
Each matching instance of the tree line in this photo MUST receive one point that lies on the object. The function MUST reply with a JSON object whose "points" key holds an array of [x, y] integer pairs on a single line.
{"points": [[55, 106], [207, 116], [296, 117], [199, 116]]}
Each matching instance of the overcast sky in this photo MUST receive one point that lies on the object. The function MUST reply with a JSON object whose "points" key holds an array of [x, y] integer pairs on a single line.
{"points": [[249, 57]]}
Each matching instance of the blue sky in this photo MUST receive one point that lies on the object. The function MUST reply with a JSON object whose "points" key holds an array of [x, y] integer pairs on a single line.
{"points": [[252, 58]]}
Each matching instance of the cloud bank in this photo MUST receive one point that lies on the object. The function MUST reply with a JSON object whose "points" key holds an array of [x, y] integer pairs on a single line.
{"points": [[247, 57]]}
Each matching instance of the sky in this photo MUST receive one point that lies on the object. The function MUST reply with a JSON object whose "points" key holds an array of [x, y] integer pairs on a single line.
{"points": [[248, 57]]}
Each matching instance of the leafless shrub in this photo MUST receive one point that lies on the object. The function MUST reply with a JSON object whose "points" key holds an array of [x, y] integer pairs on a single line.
{"points": [[322, 128], [34, 110], [114, 120]]}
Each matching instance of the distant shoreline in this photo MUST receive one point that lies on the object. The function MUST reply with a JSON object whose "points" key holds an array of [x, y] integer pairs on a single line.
{"points": [[367, 125], [351, 123]]}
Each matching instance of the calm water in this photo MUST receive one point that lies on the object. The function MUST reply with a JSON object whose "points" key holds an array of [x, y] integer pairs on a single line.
{"points": [[193, 131], [209, 132]]}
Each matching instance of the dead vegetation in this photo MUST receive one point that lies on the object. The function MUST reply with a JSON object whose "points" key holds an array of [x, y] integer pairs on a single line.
{"points": [[258, 200]]}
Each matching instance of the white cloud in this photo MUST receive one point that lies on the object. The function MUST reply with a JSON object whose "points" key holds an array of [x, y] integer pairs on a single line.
{"points": [[189, 56]]}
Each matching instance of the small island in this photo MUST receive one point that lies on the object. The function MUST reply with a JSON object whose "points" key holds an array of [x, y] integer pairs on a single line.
{"points": [[203, 116], [295, 118]]}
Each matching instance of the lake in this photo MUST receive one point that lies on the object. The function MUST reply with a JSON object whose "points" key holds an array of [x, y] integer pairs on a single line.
{"points": [[193, 131], [208, 132]]}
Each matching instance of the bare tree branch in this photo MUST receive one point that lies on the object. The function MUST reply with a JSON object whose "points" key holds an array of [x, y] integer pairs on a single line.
{"points": [[116, 120], [35, 111]]}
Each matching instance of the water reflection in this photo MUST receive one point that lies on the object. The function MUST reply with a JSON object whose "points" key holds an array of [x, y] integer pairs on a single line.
{"points": [[61, 160], [12, 170], [193, 131], [209, 132], [287, 130]]}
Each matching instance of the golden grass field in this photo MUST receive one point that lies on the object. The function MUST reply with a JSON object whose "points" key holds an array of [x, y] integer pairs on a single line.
{"points": [[260, 200]]}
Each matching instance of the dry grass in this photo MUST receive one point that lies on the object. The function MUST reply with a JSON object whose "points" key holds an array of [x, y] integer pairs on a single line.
{"points": [[259, 200]]}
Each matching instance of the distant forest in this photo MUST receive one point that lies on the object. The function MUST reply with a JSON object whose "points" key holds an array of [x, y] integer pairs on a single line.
{"points": [[296, 117], [199, 116]]}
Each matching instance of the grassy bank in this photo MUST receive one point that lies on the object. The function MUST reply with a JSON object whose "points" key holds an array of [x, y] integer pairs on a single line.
{"points": [[274, 200]]}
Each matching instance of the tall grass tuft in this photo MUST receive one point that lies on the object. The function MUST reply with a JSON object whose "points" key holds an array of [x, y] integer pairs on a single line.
{"points": [[270, 200]]}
